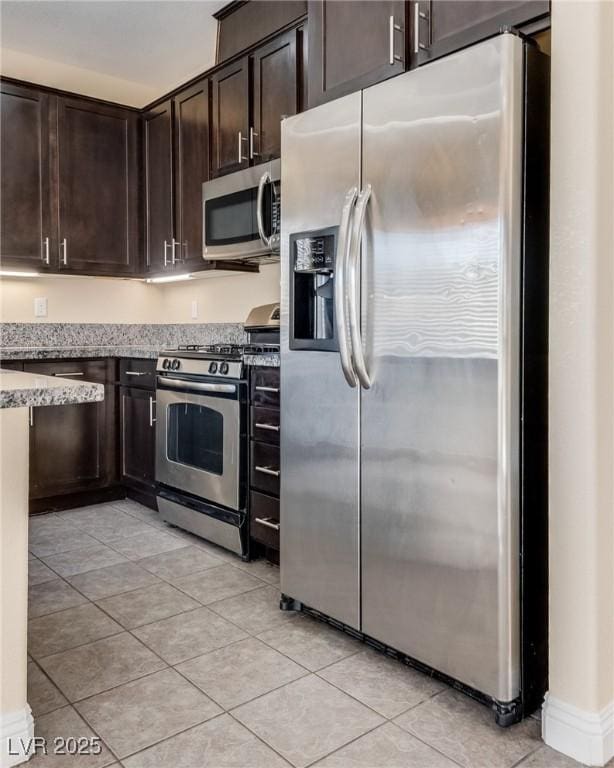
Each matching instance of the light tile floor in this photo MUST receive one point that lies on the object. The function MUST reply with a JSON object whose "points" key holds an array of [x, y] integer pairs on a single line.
{"points": [[175, 653]]}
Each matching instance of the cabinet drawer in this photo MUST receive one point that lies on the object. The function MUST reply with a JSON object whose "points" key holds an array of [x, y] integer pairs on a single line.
{"points": [[264, 519], [264, 475], [100, 371], [139, 373], [265, 424], [265, 386]]}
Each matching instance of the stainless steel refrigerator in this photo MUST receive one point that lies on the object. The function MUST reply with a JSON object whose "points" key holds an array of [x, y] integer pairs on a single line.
{"points": [[413, 368]]}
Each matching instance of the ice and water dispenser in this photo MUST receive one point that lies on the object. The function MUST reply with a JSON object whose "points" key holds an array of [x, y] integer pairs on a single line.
{"points": [[312, 283]]}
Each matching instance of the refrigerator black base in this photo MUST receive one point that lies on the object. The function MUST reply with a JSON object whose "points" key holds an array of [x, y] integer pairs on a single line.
{"points": [[288, 604], [506, 712]]}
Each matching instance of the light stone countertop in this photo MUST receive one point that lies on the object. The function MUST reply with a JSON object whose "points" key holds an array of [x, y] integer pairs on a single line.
{"points": [[66, 353], [22, 390]]}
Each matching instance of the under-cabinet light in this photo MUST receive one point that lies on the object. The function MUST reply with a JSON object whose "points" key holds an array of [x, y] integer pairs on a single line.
{"points": [[17, 273], [168, 278]]}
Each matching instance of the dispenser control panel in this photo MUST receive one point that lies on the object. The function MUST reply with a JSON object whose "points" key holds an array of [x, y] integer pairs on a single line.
{"points": [[314, 254]]}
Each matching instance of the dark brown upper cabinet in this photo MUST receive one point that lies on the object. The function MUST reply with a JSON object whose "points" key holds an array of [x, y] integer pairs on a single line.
{"points": [[26, 234], [191, 165], [353, 44], [244, 24], [276, 93], [176, 149], [230, 112], [158, 164], [440, 27], [97, 188], [250, 97]]}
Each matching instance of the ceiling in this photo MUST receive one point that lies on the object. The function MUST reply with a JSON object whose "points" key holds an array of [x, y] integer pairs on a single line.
{"points": [[145, 47]]}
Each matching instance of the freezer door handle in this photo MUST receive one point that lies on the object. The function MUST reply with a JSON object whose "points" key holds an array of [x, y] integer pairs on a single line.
{"points": [[360, 365], [340, 295]]}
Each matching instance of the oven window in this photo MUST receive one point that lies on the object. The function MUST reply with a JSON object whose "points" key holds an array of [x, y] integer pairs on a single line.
{"points": [[196, 437], [232, 218]]}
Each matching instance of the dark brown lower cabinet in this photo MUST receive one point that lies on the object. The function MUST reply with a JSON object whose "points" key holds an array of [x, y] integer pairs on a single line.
{"points": [[73, 447], [137, 429], [264, 461]]}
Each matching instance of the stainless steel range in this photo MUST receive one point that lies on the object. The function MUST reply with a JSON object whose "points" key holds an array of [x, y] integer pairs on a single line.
{"points": [[200, 443], [201, 440]]}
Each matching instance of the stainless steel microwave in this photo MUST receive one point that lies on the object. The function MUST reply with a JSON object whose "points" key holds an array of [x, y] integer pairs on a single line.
{"points": [[241, 214]]}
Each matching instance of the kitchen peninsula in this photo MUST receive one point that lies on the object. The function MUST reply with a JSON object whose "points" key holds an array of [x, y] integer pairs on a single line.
{"points": [[19, 392]]}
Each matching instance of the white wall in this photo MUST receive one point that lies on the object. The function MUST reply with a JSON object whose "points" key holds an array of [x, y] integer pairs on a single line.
{"points": [[54, 74], [579, 714], [106, 300]]}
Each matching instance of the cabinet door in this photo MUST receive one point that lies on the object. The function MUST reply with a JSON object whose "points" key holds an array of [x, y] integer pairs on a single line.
{"points": [[353, 44], [191, 170], [137, 425], [97, 188], [276, 93], [72, 447], [26, 237], [230, 118], [440, 27], [158, 148]]}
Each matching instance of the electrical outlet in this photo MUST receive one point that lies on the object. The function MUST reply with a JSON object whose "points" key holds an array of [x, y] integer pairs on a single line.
{"points": [[40, 307], [194, 309]]}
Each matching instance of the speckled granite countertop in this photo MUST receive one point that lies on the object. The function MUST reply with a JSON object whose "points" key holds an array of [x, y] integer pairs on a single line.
{"points": [[267, 361], [66, 353], [21, 390]]}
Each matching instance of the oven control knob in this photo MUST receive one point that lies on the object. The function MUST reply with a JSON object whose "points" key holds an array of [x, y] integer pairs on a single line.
{"points": [[213, 368], [224, 368], [175, 364], [166, 363]]}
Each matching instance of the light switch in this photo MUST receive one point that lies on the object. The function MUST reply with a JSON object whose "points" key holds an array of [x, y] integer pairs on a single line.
{"points": [[194, 309], [40, 307]]}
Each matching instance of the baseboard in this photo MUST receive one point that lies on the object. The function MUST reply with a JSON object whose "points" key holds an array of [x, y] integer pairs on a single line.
{"points": [[586, 736], [16, 734]]}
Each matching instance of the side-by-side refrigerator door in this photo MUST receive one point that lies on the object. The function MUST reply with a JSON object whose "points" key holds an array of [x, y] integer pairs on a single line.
{"points": [[319, 496], [442, 151]]}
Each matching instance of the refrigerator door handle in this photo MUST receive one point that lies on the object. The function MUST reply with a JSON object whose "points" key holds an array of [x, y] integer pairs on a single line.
{"points": [[360, 365], [340, 296]]}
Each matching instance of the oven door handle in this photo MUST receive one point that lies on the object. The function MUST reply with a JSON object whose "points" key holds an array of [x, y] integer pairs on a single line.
{"points": [[199, 386]]}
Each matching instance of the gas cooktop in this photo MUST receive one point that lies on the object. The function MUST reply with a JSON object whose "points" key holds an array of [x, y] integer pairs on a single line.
{"points": [[220, 351]]}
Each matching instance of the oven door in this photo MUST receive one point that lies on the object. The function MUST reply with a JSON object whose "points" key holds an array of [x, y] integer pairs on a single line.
{"points": [[198, 440], [241, 213]]}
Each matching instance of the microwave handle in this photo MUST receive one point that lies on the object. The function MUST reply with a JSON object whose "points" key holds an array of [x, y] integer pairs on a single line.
{"points": [[264, 179]]}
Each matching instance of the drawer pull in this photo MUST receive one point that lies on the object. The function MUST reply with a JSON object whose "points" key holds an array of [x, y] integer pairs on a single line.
{"points": [[267, 522], [136, 373], [271, 427], [267, 471], [267, 389], [69, 373]]}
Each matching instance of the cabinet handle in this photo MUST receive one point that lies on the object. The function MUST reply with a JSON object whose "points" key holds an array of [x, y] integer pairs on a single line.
{"points": [[271, 427], [166, 247], [418, 14], [392, 57], [242, 138], [64, 253], [266, 521], [136, 373], [267, 471], [31, 417], [266, 389], [252, 153], [176, 245], [152, 418], [69, 373], [45, 256]]}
